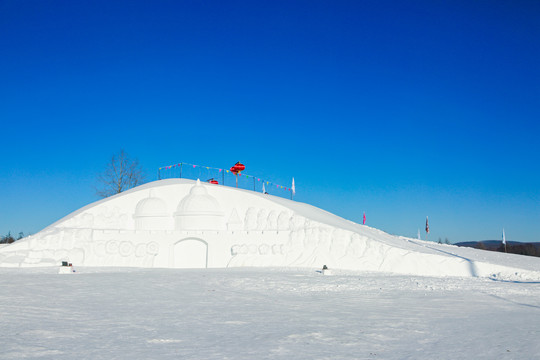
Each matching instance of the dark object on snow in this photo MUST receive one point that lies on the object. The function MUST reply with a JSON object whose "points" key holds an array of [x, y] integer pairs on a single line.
{"points": [[325, 267], [64, 263]]}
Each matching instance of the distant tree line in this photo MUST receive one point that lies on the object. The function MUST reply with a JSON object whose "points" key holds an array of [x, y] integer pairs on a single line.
{"points": [[446, 241], [8, 239], [530, 249]]}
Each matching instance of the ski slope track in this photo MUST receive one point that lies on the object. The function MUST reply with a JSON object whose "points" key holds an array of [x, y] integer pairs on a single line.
{"points": [[180, 223]]}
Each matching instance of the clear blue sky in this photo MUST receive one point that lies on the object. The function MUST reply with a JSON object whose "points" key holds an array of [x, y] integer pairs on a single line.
{"points": [[401, 109]]}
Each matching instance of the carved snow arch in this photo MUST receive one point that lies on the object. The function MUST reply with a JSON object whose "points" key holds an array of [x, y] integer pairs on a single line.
{"points": [[190, 253]]}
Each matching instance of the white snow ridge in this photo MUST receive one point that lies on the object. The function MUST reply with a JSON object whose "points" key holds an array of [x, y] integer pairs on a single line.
{"points": [[180, 223]]}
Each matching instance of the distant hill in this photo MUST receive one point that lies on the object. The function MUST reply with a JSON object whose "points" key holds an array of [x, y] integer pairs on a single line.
{"points": [[514, 247]]}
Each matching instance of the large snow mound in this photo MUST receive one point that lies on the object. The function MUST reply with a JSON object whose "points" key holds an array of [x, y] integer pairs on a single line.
{"points": [[180, 223]]}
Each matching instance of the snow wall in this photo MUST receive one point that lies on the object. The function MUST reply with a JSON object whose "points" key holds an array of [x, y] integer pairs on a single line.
{"points": [[180, 223]]}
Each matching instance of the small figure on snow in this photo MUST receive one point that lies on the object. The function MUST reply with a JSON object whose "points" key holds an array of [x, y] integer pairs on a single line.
{"points": [[326, 270]]}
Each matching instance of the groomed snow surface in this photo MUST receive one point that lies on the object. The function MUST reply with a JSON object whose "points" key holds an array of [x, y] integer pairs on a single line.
{"points": [[248, 313]]}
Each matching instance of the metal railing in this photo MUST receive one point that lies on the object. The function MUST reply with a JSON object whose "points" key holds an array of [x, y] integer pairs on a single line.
{"points": [[225, 177]]}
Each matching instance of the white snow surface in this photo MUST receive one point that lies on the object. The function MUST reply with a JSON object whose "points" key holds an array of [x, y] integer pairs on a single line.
{"points": [[180, 223], [255, 313]]}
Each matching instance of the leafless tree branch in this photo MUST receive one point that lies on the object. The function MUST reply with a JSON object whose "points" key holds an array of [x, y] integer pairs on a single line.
{"points": [[122, 173]]}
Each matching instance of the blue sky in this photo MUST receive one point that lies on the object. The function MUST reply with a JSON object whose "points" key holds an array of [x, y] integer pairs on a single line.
{"points": [[399, 109]]}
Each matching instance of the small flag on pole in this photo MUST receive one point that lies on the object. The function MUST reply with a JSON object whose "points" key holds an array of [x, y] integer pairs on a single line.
{"points": [[503, 238], [264, 190], [293, 188], [364, 223], [427, 225]]}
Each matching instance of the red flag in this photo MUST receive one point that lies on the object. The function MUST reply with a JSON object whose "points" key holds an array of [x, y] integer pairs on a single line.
{"points": [[364, 218], [427, 225]]}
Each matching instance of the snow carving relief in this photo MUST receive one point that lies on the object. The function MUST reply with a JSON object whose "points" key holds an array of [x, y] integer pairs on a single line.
{"points": [[124, 251], [262, 219], [151, 214], [110, 218], [283, 221], [254, 249], [234, 222], [180, 223], [199, 211], [272, 222], [250, 221]]}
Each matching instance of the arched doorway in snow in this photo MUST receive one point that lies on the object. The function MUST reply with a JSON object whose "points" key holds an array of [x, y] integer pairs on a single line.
{"points": [[190, 253]]}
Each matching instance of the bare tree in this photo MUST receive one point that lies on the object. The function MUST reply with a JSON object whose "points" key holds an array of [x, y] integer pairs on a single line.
{"points": [[122, 173]]}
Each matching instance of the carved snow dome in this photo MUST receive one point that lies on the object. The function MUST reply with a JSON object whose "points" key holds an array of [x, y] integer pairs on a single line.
{"points": [[151, 214], [199, 211]]}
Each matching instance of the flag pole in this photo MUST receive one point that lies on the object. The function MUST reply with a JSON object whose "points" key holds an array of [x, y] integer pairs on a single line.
{"points": [[504, 241], [427, 228]]}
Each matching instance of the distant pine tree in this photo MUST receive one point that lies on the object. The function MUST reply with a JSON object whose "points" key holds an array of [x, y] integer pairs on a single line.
{"points": [[8, 239]]}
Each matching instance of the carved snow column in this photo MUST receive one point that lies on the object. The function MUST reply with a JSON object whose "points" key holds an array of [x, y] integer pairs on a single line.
{"points": [[199, 211]]}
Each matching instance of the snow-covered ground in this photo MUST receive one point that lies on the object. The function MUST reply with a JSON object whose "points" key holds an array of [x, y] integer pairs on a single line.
{"points": [[247, 313]]}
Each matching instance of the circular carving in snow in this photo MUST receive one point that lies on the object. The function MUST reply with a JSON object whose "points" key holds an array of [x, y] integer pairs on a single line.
{"points": [[264, 249], [152, 248], [243, 249], [112, 247], [125, 248]]}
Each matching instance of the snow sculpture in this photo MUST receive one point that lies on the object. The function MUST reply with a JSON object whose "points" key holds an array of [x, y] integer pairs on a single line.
{"points": [[283, 221], [272, 222], [199, 211], [250, 222], [234, 222], [151, 214], [261, 219], [137, 228], [190, 253], [105, 218]]}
